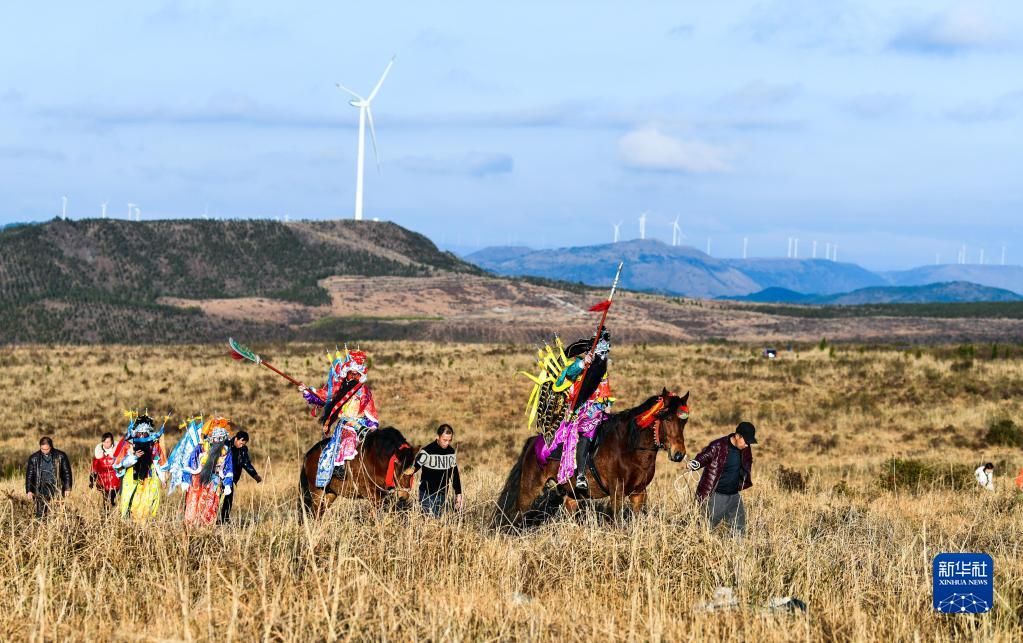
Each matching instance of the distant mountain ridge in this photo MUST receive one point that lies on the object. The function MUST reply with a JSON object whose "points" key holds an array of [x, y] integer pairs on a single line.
{"points": [[653, 266], [950, 292]]}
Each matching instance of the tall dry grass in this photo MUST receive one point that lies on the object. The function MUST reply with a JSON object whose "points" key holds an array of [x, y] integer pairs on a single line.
{"points": [[859, 556]]}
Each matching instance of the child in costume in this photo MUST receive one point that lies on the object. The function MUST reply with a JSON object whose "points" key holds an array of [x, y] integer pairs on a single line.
{"points": [[348, 408], [209, 474], [140, 462]]}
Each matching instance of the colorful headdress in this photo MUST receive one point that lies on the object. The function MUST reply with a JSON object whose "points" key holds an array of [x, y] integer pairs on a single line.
{"points": [[142, 427], [216, 429]]}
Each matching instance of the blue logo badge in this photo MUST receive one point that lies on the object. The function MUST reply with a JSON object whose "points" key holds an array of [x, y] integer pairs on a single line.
{"points": [[963, 583]]}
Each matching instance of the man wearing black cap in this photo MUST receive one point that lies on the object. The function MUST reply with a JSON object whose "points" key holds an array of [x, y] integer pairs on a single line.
{"points": [[726, 463]]}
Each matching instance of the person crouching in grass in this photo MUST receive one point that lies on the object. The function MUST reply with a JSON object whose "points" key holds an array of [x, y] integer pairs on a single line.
{"points": [[439, 470]]}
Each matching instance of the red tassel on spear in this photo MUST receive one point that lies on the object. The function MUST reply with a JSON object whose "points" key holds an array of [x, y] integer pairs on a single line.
{"points": [[602, 307]]}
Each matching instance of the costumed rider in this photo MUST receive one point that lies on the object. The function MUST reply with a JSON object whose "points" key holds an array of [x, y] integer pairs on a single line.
{"points": [[590, 402], [209, 474], [348, 407], [140, 462]]}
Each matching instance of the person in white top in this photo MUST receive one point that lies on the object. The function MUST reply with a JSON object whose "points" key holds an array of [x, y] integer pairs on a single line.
{"points": [[985, 475]]}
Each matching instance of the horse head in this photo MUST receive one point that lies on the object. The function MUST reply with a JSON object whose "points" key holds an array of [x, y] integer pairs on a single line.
{"points": [[672, 421], [404, 467]]}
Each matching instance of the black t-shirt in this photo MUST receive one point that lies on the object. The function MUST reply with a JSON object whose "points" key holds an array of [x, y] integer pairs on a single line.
{"points": [[731, 477], [438, 466]]}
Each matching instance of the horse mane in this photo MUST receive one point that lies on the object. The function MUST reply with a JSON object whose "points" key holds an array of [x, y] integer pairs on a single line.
{"points": [[384, 442], [628, 418]]}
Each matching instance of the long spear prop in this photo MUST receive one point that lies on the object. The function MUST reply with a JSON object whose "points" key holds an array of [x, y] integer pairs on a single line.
{"points": [[602, 306], [240, 353]]}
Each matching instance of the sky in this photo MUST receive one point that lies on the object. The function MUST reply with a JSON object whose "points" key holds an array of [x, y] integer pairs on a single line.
{"points": [[892, 129]]}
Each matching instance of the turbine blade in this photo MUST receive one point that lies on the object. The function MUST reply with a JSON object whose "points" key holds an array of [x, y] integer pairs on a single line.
{"points": [[343, 88], [372, 135], [381, 81]]}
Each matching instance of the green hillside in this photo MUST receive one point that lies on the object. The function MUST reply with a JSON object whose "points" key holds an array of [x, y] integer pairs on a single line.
{"points": [[99, 280]]}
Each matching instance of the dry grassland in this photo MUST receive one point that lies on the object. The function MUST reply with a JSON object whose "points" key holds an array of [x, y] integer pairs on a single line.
{"points": [[859, 555]]}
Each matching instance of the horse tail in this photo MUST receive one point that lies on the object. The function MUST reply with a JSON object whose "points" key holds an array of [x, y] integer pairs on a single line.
{"points": [[307, 496], [506, 513], [306, 506]]}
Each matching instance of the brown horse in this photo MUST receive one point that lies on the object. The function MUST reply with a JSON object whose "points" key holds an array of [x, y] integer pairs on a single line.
{"points": [[624, 464], [366, 474]]}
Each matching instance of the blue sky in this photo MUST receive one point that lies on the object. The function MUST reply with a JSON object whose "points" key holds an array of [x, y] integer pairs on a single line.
{"points": [[894, 129]]}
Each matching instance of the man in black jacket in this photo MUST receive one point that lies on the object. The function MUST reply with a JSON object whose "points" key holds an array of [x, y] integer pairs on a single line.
{"points": [[239, 462], [439, 470], [47, 476], [727, 465]]}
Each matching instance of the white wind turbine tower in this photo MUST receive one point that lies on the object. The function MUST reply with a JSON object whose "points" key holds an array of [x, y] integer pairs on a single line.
{"points": [[708, 246], [103, 210], [795, 249], [981, 257], [827, 250], [617, 227], [676, 233], [131, 210], [365, 113], [642, 226], [63, 207], [138, 214]]}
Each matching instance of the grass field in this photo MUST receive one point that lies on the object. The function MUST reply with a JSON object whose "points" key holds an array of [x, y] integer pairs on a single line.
{"points": [[857, 552]]}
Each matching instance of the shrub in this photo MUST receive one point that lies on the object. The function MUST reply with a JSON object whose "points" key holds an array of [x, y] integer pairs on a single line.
{"points": [[791, 480], [907, 474], [1005, 433]]}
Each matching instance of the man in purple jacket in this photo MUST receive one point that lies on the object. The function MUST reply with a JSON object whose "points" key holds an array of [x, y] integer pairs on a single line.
{"points": [[726, 463]]}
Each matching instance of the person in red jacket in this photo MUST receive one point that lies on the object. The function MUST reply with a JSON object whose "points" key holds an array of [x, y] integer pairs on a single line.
{"points": [[103, 477], [727, 463]]}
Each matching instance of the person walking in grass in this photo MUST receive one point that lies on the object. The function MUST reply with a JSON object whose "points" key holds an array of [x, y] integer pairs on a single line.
{"points": [[727, 464], [985, 475], [439, 468], [239, 462], [103, 477], [47, 476]]}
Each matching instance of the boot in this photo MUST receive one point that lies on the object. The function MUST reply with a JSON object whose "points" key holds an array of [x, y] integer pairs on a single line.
{"points": [[339, 471]]}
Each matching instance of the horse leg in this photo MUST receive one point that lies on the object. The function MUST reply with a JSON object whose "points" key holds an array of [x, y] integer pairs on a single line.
{"points": [[637, 502]]}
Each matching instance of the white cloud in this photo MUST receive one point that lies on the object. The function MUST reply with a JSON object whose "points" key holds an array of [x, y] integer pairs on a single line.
{"points": [[650, 149], [963, 28]]}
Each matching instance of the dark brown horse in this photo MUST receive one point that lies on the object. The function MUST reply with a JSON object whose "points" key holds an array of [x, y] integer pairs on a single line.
{"points": [[624, 464], [366, 474]]}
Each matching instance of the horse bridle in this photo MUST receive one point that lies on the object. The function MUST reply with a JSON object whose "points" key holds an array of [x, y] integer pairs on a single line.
{"points": [[683, 414]]}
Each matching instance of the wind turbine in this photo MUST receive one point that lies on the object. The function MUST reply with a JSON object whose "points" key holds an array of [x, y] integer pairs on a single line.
{"points": [[827, 250], [617, 227], [814, 253], [676, 233], [745, 245], [642, 226], [63, 207], [981, 262], [365, 113], [138, 214], [708, 246], [795, 249], [131, 210], [103, 209]]}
